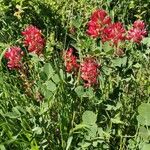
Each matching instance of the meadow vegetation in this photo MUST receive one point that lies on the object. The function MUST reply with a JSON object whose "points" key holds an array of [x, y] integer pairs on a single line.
{"points": [[74, 75]]}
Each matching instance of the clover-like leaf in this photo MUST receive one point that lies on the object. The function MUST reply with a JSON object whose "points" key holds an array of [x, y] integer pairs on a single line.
{"points": [[144, 114], [89, 118]]}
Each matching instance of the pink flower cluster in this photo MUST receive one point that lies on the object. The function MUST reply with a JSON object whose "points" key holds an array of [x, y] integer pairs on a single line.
{"points": [[100, 25], [88, 68], [70, 61], [35, 43], [33, 39], [115, 33], [14, 57], [99, 20], [137, 32], [89, 71]]}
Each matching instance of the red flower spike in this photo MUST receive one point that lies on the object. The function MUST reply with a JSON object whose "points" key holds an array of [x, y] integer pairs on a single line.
{"points": [[14, 56], [33, 39], [99, 14], [137, 32], [114, 32], [89, 71], [139, 24], [99, 20], [70, 61]]}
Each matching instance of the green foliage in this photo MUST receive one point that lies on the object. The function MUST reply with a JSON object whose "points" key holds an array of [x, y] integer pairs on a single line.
{"points": [[144, 114], [89, 118], [51, 109]]}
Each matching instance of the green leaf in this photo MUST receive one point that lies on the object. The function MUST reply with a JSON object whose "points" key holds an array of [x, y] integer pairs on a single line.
{"points": [[137, 65], [80, 126], [43, 76], [116, 121], [34, 145], [37, 130], [146, 40], [144, 114], [61, 74], [89, 118], [86, 145], [76, 22], [56, 78], [2, 54], [95, 143], [69, 142], [35, 58], [50, 86], [2, 147], [108, 48], [100, 132], [106, 70], [79, 90], [48, 70], [119, 62], [48, 94], [146, 147], [93, 130], [89, 93], [44, 107], [144, 133], [12, 115]]}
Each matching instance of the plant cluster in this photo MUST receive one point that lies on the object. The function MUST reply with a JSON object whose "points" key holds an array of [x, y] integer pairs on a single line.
{"points": [[72, 79], [99, 26]]}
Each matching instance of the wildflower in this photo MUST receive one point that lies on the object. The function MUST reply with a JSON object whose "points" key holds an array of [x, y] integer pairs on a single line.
{"points": [[14, 55], [139, 24], [99, 20], [33, 39], [137, 32], [70, 61], [114, 33], [89, 71]]}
